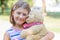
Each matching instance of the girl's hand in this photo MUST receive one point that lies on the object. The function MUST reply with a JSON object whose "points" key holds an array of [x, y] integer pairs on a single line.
{"points": [[49, 36]]}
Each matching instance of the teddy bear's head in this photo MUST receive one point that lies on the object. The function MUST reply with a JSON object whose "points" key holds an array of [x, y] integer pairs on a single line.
{"points": [[31, 18], [35, 16]]}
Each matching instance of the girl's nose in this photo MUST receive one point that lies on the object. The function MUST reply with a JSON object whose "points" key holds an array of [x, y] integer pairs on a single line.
{"points": [[20, 16]]}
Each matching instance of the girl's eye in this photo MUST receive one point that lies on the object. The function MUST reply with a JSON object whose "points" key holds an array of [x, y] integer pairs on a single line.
{"points": [[18, 13], [24, 14]]}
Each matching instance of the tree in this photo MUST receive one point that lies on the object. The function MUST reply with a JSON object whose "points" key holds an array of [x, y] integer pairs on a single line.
{"points": [[8, 4], [3, 5], [44, 7], [57, 1]]}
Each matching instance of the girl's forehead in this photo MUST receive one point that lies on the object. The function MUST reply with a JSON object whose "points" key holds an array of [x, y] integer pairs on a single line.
{"points": [[21, 10]]}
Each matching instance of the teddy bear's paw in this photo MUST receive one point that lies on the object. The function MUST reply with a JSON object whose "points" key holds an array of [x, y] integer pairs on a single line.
{"points": [[23, 34]]}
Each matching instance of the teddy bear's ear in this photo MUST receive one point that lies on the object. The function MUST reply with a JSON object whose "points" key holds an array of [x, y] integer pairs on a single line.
{"points": [[30, 18]]}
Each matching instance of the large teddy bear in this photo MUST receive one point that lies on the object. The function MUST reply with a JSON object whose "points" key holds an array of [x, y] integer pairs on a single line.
{"points": [[34, 28]]}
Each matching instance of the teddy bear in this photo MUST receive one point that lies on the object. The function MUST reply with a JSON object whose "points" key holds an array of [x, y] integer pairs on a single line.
{"points": [[35, 29]]}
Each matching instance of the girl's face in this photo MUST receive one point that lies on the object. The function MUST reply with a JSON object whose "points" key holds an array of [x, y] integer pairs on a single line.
{"points": [[20, 15]]}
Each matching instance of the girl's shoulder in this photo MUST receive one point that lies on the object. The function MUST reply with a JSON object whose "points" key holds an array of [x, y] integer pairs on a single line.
{"points": [[13, 33], [9, 29]]}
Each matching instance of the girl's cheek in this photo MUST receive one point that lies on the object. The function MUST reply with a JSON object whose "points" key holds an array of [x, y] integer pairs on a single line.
{"points": [[15, 17]]}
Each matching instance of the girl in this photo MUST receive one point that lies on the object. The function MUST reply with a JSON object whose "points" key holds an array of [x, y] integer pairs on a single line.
{"points": [[19, 14]]}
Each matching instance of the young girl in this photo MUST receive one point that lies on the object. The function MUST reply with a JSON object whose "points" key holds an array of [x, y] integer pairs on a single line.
{"points": [[19, 14]]}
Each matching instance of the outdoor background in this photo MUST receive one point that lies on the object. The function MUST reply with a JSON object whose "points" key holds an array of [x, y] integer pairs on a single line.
{"points": [[51, 12]]}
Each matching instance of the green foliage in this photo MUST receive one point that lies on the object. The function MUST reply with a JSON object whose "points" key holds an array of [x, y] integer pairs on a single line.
{"points": [[54, 14], [57, 1], [8, 4], [30, 2], [0, 2], [11, 2]]}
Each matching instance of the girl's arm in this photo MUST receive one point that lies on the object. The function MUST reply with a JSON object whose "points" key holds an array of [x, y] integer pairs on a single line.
{"points": [[49, 36], [6, 36]]}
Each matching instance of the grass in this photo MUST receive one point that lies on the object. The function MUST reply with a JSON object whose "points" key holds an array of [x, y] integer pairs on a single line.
{"points": [[54, 29], [52, 21], [4, 17]]}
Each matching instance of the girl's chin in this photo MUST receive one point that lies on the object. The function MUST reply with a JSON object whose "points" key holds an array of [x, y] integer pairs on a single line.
{"points": [[20, 23]]}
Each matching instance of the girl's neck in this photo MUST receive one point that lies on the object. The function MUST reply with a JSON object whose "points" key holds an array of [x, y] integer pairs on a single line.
{"points": [[18, 27]]}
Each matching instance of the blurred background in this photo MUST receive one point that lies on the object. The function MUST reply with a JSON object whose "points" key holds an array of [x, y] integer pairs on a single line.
{"points": [[51, 12]]}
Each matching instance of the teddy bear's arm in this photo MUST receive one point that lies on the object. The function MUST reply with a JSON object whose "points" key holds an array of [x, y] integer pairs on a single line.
{"points": [[32, 37], [38, 36], [24, 33], [42, 33], [36, 28]]}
